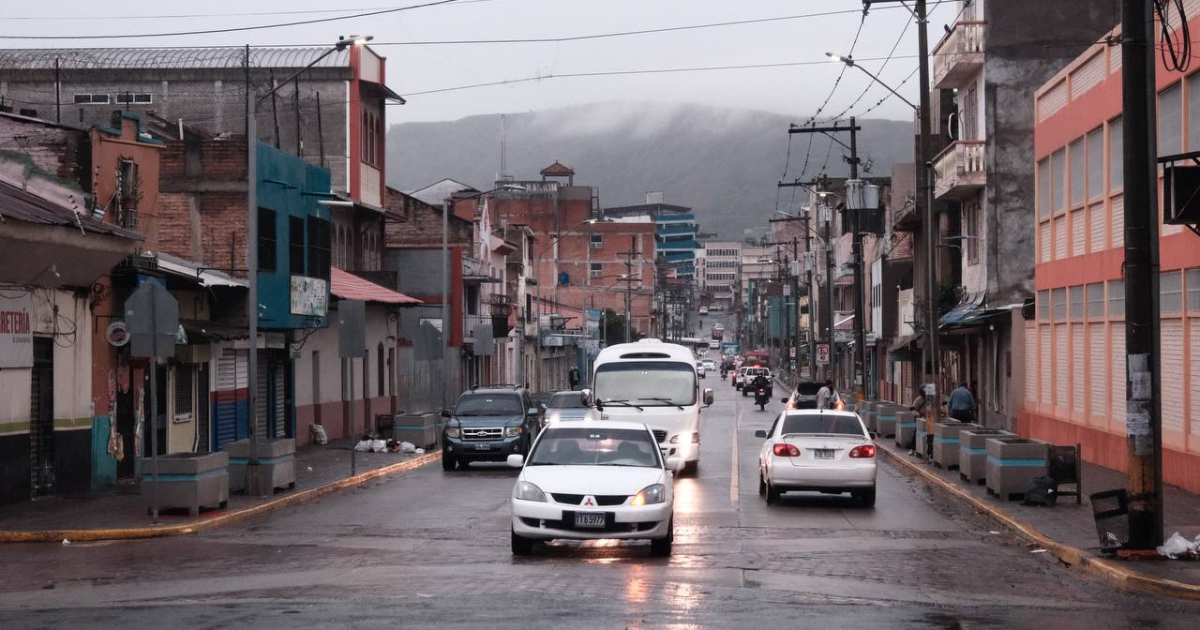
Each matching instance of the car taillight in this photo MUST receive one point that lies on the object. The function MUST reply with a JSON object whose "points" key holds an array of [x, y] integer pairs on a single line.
{"points": [[864, 451], [786, 450]]}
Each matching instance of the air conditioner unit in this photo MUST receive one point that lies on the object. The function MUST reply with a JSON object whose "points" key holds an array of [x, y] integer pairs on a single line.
{"points": [[1181, 195], [596, 273], [596, 245]]}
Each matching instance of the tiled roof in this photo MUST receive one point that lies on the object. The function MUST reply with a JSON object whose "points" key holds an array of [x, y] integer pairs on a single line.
{"points": [[557, 169], [183, 58], [348, 286]]}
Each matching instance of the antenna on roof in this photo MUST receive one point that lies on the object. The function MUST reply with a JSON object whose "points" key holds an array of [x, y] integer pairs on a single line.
{"points": [[503, 149]]}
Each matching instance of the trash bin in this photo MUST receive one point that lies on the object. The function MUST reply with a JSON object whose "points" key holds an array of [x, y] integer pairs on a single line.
{"points": [[420, 429], [1012, 463], [868, 414], [1110, 509], [188, 481], [972, 452], [260, 470], [385, 426]]}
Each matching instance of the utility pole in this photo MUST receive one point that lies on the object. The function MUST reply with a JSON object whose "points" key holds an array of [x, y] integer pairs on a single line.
{"points": [[1143, 418], [629, 284], [858, 375], [926, 208]]}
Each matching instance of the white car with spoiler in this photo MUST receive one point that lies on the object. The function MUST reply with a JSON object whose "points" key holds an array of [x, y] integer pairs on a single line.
{"points": [[817, 451]]}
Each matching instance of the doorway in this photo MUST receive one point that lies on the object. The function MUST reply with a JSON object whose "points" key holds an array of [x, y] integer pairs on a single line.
{"points": [[41, 418]]}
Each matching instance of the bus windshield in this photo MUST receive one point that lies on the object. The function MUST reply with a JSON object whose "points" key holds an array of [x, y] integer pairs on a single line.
{"points": [[646, 383]]}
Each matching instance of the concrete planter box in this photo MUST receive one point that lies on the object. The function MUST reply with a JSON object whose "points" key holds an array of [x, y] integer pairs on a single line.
{"points": [[906, 427], [1012, 462], [187, 481], [972, 451], [885, 419], [868, 414], [945, 443], [271, 466], [420, 429]]}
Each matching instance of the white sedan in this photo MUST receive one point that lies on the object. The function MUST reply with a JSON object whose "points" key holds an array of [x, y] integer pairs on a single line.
{"points": [[817, 451], [602, 480]]}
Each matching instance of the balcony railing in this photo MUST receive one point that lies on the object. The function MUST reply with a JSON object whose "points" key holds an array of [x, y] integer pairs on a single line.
{"points": [[958, 56], [959, 169]]}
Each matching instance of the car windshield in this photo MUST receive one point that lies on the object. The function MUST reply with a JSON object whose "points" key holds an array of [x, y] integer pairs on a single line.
{"points": [[595, 447], [647, 383], [821, 423], [488, 405], [570, 400]]}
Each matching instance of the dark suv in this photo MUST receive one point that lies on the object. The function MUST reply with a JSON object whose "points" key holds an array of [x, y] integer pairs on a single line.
{"points": [[488, 424]]}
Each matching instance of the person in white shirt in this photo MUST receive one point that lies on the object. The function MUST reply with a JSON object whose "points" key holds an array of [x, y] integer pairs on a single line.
{"points": [[827, 398]]}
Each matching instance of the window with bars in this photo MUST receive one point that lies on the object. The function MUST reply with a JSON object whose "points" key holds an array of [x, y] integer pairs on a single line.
{"points": [[1095, 301], [1116, 299], [1192, 277], [971, 220], [129, 192], [91, 99], [1170, 292], [136, 98], [1076, 297], [1116, 149], [184, 404], [1095, 164], [1077, 165]]}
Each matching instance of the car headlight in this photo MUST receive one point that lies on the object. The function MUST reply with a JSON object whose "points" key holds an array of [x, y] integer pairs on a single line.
{"points": [[685, 437], [453, 432], [514, 431], [526, 491], [650, 495]]}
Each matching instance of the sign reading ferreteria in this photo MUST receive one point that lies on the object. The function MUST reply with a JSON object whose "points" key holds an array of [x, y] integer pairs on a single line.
{"points": [[16, 330]]}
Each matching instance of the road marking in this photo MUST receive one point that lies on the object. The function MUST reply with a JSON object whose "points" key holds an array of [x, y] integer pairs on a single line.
{"points": [[733, 474]]}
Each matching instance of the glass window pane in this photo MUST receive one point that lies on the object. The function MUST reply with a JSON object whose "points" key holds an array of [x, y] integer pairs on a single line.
{"points": [[1095, 301], [1193, 289], [1095, 164], [1170, 120], [1076, 303], [1170, 291], [1043, 175], [1076, 149], [1116, 149], [1193, 112], [1043, 305], [1116, 299], [1059, 299], [1058, 166]]}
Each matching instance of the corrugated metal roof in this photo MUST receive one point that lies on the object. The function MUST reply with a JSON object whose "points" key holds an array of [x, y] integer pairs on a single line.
{"points": [[181, 58], [19, 205], [434, 194]]}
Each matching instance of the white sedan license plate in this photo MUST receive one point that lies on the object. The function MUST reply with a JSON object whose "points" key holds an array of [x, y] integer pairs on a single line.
{"points": [[823, 453], [594, 520]]}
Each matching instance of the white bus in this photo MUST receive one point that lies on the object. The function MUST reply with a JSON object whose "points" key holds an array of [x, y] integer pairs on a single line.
{"points": [[653, 383]]}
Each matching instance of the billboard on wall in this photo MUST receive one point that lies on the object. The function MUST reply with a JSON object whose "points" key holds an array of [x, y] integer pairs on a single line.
{"points": [[310, 296], [16, 330]]}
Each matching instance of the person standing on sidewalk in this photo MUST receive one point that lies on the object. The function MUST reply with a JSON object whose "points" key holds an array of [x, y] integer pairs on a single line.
{"points": [[962, 404]]}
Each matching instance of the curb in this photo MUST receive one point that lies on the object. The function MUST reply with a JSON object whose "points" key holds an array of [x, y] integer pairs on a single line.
{"points": [[1092, 565], [220, 520]]}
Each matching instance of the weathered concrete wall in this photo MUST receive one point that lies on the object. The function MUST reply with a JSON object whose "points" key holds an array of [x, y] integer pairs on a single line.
{"points": [[1027, 42]]}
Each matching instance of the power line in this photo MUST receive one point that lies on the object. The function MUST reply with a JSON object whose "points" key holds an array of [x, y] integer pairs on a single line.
{"points": [[179, 16], [234, 29]]}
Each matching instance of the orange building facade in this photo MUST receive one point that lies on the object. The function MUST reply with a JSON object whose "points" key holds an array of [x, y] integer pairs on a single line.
{"points": [[1075, 376]]}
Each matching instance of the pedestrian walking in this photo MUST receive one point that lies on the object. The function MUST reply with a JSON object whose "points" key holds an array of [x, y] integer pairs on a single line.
{"points": [[962, 403], [918, 404]]}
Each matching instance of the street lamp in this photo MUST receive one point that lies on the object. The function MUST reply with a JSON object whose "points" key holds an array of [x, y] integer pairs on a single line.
{"points": [[252, 101], [446, 326], [930, 229]]}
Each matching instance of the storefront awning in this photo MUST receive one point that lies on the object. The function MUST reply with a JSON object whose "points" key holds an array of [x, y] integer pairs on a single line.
{"points": [[970, 315], [196, 272], [347, 286]]}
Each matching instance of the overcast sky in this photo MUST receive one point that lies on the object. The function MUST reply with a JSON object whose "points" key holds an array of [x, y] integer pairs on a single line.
{"points": [[412, 69]]}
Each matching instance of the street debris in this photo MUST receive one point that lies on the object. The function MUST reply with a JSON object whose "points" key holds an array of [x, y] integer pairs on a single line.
{"points": [[1038, 551], [1179, 548], [66, 542], [318, 434]]}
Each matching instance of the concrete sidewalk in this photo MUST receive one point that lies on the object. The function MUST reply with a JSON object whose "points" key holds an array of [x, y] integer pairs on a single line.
{"points": [[1068, 530], [120, 512]]}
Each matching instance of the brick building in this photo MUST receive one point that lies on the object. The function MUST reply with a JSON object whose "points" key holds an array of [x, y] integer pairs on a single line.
{"points": [[1075, 364]]}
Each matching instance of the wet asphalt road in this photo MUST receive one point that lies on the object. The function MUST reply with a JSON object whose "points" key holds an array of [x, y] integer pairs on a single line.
{"points": [[430, 549]]}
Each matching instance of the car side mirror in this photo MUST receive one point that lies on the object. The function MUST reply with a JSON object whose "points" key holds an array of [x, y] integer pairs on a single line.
{"points": [[760, 434], [532, 411], [445, 413], [516, 460], [674, 464], [784, 400], [873, 435], [708, 397], [585, 397]]}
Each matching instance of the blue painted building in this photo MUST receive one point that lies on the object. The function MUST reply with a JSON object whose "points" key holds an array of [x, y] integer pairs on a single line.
{"points": [[674, 233]]}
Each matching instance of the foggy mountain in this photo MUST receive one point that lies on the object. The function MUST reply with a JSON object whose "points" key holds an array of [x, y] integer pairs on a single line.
{"points": [[723, 162]]}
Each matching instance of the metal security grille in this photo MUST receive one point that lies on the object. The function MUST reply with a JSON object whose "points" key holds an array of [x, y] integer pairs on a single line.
{"points": [[41, 419]]}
